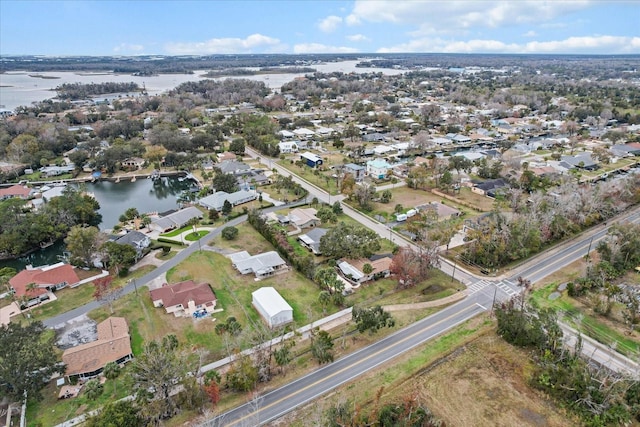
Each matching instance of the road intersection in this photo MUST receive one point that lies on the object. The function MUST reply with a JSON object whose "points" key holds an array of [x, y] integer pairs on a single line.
{"points": [[481, 293]]}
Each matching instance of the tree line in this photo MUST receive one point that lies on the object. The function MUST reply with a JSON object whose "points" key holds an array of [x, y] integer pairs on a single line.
{"points": [[597, 395], [499, 238], [22, 230], [75, 91]]}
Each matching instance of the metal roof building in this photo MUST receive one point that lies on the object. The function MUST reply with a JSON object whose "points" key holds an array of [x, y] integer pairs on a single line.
{"points": [[272, 307]]}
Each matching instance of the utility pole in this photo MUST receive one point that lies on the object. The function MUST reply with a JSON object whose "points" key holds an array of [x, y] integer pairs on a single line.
{"points": [[455, 264], [135, 286], [493, 303], [588, 256]]}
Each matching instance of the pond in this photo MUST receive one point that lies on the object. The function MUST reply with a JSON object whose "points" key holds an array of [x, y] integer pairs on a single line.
{"points": [[146, 195]]}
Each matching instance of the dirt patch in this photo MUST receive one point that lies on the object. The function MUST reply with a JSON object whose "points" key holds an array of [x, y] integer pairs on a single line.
{"points": [[85, 274], [432, 289], [80, 330]]}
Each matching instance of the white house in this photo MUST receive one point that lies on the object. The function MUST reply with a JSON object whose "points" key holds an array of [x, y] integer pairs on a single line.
{"points": [[378, 168], [304, 133], [288, 147], [262, 265], [286, 134], [353, 269], [272, 307]]}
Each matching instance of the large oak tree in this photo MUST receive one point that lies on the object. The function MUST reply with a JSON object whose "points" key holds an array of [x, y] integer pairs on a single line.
{"points": [[27, 360]]}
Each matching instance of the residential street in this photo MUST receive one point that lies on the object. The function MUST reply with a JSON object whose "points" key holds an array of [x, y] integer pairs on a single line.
{"points": [[481, 293]]}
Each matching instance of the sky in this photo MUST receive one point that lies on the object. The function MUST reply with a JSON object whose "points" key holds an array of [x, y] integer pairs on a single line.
{"points": [[78, 27]]}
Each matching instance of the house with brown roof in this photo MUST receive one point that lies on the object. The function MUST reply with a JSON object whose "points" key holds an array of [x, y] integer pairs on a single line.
{"points": [[304, 217], [185, 298], [113, 345], [353, 269], [35, 283], [227, 155], [19, 191]]}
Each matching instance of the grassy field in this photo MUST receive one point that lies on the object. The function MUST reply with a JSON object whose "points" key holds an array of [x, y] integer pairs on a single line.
{"points": [[322, 179], [234, 296], [234, 290], [196, 235], [248, 240], [483, 203], [468, 377], [383, 291]]}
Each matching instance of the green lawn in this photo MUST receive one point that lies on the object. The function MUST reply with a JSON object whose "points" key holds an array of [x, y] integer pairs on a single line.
{"points": [[383, 291], [176, 232], [50, 411], [322, 179], [68, 299], [197, 235]]}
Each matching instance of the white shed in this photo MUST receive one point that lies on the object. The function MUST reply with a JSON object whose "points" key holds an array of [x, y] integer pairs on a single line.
{"points": [[272, 307]]}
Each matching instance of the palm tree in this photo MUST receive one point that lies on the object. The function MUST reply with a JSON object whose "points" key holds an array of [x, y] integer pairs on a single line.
{"points": [[145, 220], [6, 273], [93, 389], [194, 223], [111, 371]]}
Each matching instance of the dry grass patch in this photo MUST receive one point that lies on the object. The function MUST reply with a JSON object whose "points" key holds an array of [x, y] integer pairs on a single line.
{"points": [[407, 197], [485, 384], [248, 240], [480, 381]]}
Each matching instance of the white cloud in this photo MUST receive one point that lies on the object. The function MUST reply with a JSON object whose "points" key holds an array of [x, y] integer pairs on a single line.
{"points": [[329, 24], [128, 47], [352, 20], [597, 44], [586, 45], [321, 48], [530, 33], [448, 16], [255, 43], [358, 38]]}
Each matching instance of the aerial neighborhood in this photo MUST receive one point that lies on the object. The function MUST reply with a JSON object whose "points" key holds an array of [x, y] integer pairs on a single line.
{"points": [[175, 256]]}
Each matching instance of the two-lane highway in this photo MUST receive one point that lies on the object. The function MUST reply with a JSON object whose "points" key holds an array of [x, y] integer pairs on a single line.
{"points": [[278, 402]]}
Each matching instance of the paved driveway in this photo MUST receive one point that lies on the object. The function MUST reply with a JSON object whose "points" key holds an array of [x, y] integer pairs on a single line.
{"points": [[8, 311]]}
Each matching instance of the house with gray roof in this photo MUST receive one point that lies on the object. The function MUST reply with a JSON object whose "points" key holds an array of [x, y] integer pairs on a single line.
{"points": [[262, 265], [57, 170], [625, 150], [234, 167], [311, 239], [217, 199], [582, 161], [357, 171], [135, 239], [176, 219]]}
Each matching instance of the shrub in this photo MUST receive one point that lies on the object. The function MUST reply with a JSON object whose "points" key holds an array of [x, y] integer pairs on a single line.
{"points": [[229, 233]]}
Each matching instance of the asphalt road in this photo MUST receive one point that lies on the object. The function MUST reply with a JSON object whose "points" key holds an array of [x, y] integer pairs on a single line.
{"points": [[272, 405]]}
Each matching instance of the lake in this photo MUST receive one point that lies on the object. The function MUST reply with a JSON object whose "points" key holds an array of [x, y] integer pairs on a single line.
{"points": [[20, 88], [115, 198]]}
